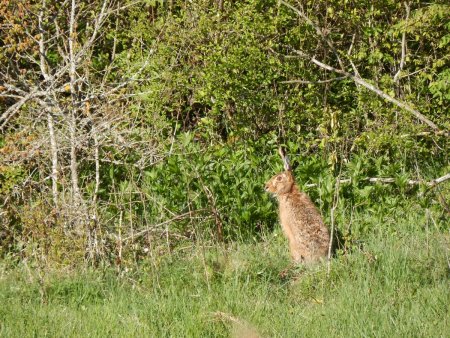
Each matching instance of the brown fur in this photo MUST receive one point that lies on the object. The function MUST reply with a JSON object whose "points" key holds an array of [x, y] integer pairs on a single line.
{"points": [[300, 220]]}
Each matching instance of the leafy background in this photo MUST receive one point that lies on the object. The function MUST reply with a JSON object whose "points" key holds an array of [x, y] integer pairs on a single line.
{"points": [[214, 97]]}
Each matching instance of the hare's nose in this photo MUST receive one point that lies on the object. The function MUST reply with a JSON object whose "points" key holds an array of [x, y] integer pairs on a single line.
{"points": [[266, 187]]}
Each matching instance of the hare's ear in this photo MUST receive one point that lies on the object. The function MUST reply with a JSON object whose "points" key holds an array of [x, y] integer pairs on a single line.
{"points": [[285, 158]]}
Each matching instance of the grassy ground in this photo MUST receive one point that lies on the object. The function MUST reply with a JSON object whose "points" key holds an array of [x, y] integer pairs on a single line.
{"points": [[396, 284]]}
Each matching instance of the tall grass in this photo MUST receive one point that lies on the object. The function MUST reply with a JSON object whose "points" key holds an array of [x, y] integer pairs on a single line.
{"points": [[395, 283]]}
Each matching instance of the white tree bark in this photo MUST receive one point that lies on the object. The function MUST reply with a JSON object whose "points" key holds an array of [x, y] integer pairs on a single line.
{"points": [[73, 110], [54, 158], [403, 55], [50, 122], [431, 183]]}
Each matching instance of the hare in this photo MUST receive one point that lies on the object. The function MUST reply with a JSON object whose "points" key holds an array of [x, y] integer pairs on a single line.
{"points": [[300, 220]]}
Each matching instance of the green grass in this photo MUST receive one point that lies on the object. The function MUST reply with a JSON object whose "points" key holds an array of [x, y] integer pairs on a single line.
{"points": [[395, 284]]}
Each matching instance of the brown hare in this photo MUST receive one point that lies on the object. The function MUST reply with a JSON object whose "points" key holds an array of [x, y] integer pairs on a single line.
{"points": [[300, 220]]}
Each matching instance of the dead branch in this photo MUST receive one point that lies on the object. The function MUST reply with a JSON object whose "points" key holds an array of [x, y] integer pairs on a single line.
{"points": [[431, 183], [439, 180], [73, 113], [425, 133], [54, 158], [403, 55], [12, 110]]}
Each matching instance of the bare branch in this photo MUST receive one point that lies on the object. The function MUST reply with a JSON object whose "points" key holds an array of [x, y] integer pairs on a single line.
{"points": [[12, 110], [402, 60], [439, 180], [349, 52], [431, 183], [73, 113], [99, 20], [425, 133], [42, 63], [54, 158]]}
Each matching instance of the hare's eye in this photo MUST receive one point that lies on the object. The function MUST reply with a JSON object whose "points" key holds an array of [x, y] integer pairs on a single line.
{"points": [[279, 178]]}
